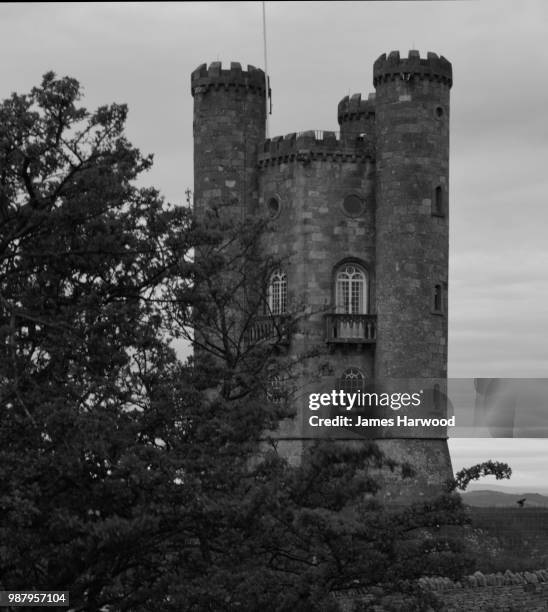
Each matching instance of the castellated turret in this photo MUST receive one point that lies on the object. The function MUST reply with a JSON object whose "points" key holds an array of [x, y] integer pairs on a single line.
{"points": [[357, 117], [412, 234], [412, 171], [360, 219], [229, 129]]}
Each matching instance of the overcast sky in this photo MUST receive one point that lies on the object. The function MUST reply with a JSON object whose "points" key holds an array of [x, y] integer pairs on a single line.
{"points": [[318, 52]]}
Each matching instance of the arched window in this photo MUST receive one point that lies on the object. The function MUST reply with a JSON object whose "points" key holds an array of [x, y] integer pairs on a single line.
{"points": [[351, 290], [352, 380], [277, 293]]}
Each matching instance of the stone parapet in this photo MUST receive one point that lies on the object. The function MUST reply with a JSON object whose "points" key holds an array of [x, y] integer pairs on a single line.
{"points": [[214, 77], [478, 579], [314, 145], [353, 107], [391, 67]]}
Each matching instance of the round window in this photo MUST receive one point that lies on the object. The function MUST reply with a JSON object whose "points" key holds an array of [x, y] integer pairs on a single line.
{"points": [[273, 207], [353, 205]]}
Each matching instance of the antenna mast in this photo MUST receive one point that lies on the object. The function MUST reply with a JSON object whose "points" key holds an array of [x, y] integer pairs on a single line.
{"points": [[267, 89]]}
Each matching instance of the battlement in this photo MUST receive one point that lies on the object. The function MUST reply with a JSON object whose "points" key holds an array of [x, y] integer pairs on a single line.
{"points": [[313, 145], [213, 76], [353, 107], [434, 67]]}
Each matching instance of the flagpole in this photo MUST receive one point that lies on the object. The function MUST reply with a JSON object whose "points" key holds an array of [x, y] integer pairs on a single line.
{"points": [[265, 73]]}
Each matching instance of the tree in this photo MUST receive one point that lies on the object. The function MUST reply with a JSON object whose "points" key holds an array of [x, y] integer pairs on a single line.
{"points": [[488, 468], [88, 378], [120, 471]]}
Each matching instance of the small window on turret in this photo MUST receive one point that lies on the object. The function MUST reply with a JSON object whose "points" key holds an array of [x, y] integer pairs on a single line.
{"points": [[273, 207], [438, 203], [438, 299]]}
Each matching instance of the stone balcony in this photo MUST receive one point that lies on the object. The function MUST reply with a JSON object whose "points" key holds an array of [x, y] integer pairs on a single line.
{"points": [[351, 328], [271, 328]]}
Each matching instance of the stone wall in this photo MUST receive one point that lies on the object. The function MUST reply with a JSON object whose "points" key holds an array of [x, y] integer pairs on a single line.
{"points": [[500, 592], [310, 174], [508, 592]]}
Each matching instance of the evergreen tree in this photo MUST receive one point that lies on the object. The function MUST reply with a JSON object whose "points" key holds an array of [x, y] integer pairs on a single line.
{"points": [[89, 392]]}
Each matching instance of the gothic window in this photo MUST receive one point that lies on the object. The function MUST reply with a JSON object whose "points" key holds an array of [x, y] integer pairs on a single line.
{"points": [[277, 293], [352, 380], [351, 290]]}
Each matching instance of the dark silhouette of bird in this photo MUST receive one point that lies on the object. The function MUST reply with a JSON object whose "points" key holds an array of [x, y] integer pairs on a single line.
{"points": [[520, 502]]}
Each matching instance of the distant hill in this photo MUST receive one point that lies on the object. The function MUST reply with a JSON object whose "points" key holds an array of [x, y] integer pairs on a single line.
{"points": [[497, 499], [506, 488]]}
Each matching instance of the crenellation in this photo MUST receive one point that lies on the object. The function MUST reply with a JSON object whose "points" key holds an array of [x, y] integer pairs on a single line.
{"points": [[433, 67], [314, 144], [214, 70], [214, 76], [354, 107]]}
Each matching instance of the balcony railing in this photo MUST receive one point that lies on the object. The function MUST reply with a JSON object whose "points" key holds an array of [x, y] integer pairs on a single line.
{"points": [[351, 328], [273, 328]]}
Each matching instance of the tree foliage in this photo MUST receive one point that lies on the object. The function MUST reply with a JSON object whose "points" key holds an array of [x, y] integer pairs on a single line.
{"points": [[488, 468], [89, 396]]}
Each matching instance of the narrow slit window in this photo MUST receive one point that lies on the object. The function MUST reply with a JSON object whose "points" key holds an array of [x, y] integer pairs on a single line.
{"points": [[438, 208], [438, 298]]}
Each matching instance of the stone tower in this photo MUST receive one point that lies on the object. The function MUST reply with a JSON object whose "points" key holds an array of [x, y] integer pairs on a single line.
{"points": [[229, 131], [361, 218]]}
